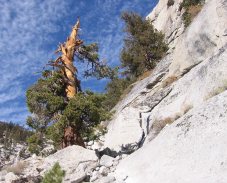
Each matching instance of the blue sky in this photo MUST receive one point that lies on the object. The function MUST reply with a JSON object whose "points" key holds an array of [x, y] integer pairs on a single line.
{"points": [[30, 31]]}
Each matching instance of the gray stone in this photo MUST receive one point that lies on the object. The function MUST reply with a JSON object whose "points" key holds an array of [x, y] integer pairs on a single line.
{"points": [[112, 169], [75, 160], [76, 177], [115, 163], [97, 145], [48, 150], [108, 179], [104, 170], [95, 175], [125, 128], [2, 175], [106, 161], [9, 177], [90, 143]]}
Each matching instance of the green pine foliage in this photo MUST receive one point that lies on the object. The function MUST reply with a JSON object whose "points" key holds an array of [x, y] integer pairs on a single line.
{"points": [[55, 175], [187, 3], [45, 99], [85, 111], [34, 143], [52, 112], [143, 47], [89, 54]]}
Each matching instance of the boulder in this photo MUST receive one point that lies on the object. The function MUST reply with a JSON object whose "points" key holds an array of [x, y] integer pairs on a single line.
{"points": [[124, 129], [75, 160], [90, 143]]}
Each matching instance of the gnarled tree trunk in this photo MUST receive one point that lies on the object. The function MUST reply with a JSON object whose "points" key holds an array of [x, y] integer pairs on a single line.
{"points": [[68, 49]]}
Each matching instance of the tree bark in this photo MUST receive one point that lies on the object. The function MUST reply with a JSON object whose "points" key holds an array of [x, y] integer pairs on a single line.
{"points": [[72, 137]]}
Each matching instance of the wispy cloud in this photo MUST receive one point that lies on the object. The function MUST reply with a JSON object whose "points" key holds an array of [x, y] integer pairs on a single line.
{"points": [[31, 29], [25, 27]]}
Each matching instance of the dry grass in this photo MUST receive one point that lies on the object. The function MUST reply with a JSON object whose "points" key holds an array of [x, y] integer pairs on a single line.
{"points": [[17, 169], [144, 75], [217, 91], [185, 108], [158, 125], [168, 81], [190, 13], [194, 10]]}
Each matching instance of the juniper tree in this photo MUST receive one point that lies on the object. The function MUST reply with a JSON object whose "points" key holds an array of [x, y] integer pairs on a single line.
{"points": [[52, 99]]}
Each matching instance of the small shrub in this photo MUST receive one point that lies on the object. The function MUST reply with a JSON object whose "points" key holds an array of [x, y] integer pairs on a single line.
{"points": [[34, 143], [55, 175], [170, 3], [187, 18], [17, 169]]}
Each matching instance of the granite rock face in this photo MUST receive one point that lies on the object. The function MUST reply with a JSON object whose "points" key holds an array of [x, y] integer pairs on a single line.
{"points": [[180, 109], [192, 149], [168, 20]]}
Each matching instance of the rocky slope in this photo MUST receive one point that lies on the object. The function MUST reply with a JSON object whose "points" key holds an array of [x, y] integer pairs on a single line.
{"points": [[189, 75], [179, 112], [171, 127]]}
